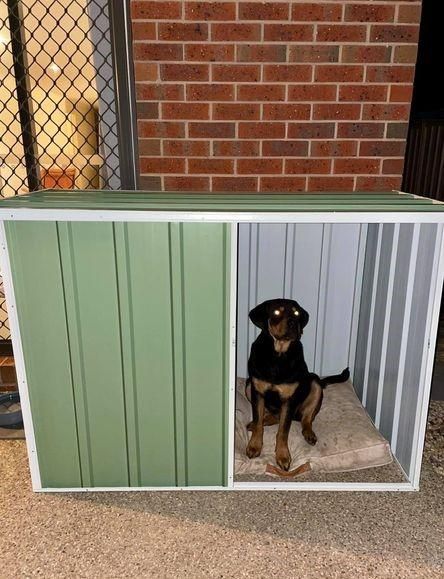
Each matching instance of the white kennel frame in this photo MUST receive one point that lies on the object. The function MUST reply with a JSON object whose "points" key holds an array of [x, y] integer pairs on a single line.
{"points": [[235, 218]]}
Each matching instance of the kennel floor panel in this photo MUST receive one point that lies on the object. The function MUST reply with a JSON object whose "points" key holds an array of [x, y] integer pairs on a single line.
{"points": [[390, 473]]}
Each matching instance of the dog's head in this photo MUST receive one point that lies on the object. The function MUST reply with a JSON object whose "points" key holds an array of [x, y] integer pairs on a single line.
{"points": [[283, 319]]}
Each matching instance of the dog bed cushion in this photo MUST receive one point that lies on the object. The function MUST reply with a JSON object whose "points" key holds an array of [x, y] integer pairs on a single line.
{"points": [[347, 438]]}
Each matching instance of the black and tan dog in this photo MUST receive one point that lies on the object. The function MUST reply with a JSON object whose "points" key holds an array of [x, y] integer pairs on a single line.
{"points": [[282, 388]]}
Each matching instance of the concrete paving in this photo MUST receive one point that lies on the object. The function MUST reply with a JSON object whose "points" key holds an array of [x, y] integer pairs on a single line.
{"points": [[215, 534]]}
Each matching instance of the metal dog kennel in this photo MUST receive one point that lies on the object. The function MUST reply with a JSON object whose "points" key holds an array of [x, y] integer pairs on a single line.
{"points": [[123, 310]]}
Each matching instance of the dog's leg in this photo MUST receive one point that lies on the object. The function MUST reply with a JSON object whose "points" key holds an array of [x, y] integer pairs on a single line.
{"points": [[254, 447], [308, 410], [269, 420], [283, 456]]}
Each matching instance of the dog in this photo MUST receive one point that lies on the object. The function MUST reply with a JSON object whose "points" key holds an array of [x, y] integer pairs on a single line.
{"points": [[282, 388]]}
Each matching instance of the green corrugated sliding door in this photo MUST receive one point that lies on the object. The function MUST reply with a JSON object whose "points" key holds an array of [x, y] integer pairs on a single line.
{"points": [[125, 336]]}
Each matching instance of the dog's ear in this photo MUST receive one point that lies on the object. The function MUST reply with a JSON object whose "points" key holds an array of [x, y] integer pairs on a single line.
{"points": [[259, 315], [303, 317]]}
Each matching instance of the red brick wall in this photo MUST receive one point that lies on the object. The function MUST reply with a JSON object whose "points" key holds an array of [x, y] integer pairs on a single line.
{"points": [[276, 96]]}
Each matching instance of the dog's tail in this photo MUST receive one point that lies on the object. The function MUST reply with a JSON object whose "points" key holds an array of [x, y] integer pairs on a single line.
{"points": [[342, 377]]}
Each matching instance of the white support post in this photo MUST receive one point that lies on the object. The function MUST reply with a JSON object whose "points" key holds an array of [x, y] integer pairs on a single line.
{"points": [[5, 266]]}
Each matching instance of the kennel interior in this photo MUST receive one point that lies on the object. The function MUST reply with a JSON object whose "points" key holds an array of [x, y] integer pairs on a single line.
{"points": [[368, 288], [129, 320]]}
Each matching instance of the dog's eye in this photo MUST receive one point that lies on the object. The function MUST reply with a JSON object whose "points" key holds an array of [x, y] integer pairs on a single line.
{"points": [[296, 313], [277, 312]]}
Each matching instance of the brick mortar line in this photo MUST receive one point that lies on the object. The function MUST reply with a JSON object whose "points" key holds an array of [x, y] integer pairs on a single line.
{"points": [[240, 84], [294, 2], [280, 82], [276, 63], [295, 122], [262, 120], [234, 140], [289, 21], [315, 42], [251, 83], [272, 102], [276, 157], [280, 139], [362, 83], [276, 175]]}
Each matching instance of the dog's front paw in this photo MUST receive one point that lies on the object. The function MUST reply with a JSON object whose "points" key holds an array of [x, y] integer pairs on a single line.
{"points": [[254, 448], [310, 437], [283, 458]]}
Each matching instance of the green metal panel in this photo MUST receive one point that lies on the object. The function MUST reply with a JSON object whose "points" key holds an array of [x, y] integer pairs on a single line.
{"points": [[35, 262], [125, 334], [158, 201], [89, 268], [143, 262], [205, 341], [176, 264]]}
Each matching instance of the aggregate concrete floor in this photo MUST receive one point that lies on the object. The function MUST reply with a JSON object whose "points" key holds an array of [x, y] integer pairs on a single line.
{"points": [[225, 535]]}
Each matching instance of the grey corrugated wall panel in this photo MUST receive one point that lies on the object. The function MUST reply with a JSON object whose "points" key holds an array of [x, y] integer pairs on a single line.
{"points": [[364, 313], [308, 236], [336, 297], [243, 299], [397, 319], [376, 351], [418, 333], [313, 263]]}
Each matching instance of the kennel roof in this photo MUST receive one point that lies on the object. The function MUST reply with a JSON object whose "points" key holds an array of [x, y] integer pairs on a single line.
{"points": [[393, 201]]}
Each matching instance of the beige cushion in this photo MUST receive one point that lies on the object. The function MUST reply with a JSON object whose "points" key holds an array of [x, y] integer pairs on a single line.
{"points": [[347, 438]]}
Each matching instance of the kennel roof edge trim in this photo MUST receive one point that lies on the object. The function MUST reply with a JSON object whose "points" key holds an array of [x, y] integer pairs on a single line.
{"points": [[360, 202]]}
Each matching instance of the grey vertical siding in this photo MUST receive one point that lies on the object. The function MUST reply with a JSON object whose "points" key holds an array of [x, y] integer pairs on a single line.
{"points": [[418, 333], [371, 251], [339, 276], [377, 335], [398, 319], [367, 289], [319, 266], [394, 324]]}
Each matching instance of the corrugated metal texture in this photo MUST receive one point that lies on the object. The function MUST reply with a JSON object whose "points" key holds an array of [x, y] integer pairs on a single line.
{"points": [[376, 337], [365, 312], [154, 201], [41, 310], [418, 335], [394, 325], [130, 385], [424, 159], [318, 265], [398, 326]]}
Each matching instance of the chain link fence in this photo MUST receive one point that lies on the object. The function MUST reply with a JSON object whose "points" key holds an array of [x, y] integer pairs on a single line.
{"points": [[58, 119]]}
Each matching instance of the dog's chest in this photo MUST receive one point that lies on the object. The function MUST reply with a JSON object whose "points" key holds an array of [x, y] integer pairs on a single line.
{"points": [[285, 391]]}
